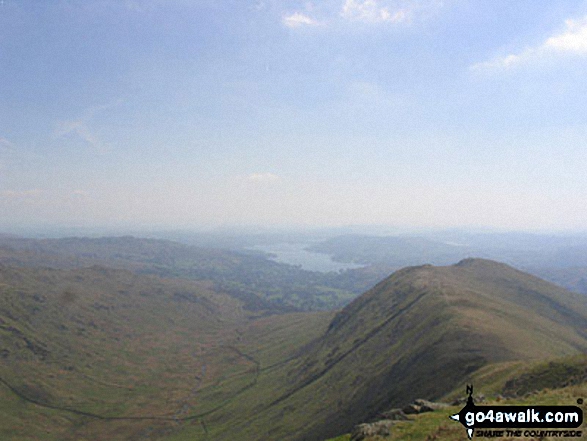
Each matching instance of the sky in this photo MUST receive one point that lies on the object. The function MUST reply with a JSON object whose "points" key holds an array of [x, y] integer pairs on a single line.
{"points": [[208, 113]]}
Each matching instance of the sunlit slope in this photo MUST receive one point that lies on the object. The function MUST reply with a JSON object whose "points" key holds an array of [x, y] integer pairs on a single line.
{"points": [[99, 353], [418, 334], [96, 345], [250, 277]]}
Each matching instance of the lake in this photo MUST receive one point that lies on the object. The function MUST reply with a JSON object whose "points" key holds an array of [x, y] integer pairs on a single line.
{"points": [[295, 254]]}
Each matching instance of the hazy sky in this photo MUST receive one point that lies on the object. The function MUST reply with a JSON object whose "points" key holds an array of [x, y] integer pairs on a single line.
{"points": [[184, 113]]}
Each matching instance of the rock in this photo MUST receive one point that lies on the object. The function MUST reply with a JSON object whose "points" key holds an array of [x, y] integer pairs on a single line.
{"points": [[420, 406], [411, 409], [395, 415], [480, 398], [379, 428], [429, 406]]}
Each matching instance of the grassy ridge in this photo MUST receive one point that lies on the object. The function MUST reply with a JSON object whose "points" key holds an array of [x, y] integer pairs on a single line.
{"points": [[438, 426], [554, 382], [97, 353], [395, 342]]}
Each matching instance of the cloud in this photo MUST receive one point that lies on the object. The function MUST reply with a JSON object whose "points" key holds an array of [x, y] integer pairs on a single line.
{"points": [[370, 12], [373, 11], [81, 129], [573, 40], [262, 177], [297, 19]]}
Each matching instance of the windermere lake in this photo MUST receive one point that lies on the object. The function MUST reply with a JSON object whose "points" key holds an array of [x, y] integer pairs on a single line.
{"points": [[296, 254]]}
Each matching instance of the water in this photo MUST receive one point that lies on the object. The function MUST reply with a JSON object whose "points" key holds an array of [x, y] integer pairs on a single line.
{"points": [[295, 254]]}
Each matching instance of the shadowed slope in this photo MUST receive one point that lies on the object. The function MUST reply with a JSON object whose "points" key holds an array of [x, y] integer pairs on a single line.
{"points": [[139, 356], [419, 333]]}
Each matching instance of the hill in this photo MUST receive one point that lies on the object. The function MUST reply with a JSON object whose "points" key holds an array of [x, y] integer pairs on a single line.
{"points": [[247, 276], [101, 353], [392, 250], [419, 333], [561, 381], [558, 259], [523, 250], [573, 279]]}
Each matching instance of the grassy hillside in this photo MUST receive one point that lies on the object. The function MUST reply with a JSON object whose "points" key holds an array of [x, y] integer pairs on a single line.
{"points": [[556, 382], [419, 334], [250, 277], [438, 426], [98, 353]]}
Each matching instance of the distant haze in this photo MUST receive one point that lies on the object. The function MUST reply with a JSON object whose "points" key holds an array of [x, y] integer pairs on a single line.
{"points": [[176, 114]]}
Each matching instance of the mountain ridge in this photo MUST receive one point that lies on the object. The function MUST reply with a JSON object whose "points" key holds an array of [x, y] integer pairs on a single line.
{"points": [[122, 340], [391, 344]]}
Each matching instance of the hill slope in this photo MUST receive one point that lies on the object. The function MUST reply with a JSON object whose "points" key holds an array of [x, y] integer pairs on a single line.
{"points": [[247, 276], [419, 333], [562, 381], [100, 353], [103, 353]]}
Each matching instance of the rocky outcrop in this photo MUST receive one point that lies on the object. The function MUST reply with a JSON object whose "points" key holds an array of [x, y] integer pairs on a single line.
{"points": [[477, 399], [394, 415], [421, 406], [383, 427], [364, 431]]}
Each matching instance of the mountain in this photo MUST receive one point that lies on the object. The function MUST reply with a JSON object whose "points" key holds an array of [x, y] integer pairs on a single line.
{"points": [[394, 251], [248, 276], [104, 353], [520, 249], [558, 259], [573, 279], [420, 333]]}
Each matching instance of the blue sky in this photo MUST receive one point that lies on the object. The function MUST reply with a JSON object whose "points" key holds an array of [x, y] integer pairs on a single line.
{"points": [[177, 113]]}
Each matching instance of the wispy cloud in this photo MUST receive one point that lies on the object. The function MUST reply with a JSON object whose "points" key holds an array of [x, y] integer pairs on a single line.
{"points": [[297, 20], [374, 11], [262, 177], [7, 148], [572, 40], [370, 12], [81, 127]]}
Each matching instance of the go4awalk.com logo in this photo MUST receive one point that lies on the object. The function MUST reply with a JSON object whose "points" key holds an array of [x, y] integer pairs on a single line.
{"points": [[518, 421]]}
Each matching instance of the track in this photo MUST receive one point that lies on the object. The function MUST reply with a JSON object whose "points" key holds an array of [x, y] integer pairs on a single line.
{"points": [[178, 416]]}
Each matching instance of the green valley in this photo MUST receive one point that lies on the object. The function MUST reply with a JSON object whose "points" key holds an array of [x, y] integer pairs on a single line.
{"points": [[117, 352]]}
